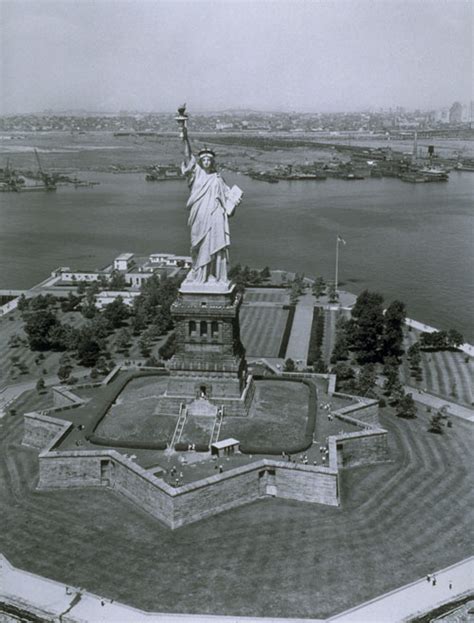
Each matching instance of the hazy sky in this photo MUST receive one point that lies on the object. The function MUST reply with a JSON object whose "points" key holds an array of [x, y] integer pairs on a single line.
{"points": [[271, 55]]}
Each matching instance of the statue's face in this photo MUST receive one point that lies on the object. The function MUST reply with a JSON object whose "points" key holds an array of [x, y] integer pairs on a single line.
{"points": [[207, 163]]}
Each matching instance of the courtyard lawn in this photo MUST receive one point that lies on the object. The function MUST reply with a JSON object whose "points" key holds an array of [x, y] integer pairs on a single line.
{"points": [[133, 415], [275, 558], [278, 416], [446, 373], [197, 429], [262, 329]]}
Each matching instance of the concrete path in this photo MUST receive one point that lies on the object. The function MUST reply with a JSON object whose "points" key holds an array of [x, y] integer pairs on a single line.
{"points": [[436, 402], [298, 343], [415, 598], [52, 599]]}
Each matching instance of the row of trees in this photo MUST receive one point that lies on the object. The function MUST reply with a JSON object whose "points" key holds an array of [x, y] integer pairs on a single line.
{"points": [[245, 276], [441, 340]]}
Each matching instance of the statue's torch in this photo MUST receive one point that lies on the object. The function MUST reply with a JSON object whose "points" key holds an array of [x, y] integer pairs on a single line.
{"points": [[181, 120]]}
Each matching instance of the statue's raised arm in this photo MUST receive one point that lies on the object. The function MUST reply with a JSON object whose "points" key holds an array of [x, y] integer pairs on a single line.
{"points": [[210, 204]]}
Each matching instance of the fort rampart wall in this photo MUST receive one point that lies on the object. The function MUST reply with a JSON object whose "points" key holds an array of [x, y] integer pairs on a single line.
{"points": [[178, 506]]}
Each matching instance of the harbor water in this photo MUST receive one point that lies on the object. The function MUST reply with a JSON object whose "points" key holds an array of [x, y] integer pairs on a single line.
{"points": [[413, 242]]}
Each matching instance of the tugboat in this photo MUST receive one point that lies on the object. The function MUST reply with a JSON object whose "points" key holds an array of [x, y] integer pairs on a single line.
{"points": [[434, 174]]}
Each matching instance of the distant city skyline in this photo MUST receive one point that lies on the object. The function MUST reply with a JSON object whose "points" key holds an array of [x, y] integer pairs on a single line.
{"points": [[268, 55]]}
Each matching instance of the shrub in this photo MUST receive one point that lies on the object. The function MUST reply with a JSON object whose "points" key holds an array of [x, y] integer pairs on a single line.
{"points": [[201, 447], [316, 337], [286, 333]]}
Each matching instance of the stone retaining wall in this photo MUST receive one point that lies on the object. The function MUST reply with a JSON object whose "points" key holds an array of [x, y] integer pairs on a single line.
{"points": [[63, 397], [41, 431], [354, 449]]}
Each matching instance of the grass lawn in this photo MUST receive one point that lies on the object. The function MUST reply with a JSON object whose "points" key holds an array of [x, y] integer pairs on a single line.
{"points": [[33, 400], [133, 415], [446, 373], [10, 372], [267, 295], [261, 330], [278, 415], [197, 429], [399, 521]]}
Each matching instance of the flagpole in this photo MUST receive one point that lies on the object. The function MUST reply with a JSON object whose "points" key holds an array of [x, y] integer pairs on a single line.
{"points": [[337, 263]]}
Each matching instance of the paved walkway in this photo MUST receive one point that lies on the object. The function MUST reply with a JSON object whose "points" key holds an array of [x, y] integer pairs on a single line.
{"points": [[436, 402], [415, 598], [52, 599], [300, 335]]}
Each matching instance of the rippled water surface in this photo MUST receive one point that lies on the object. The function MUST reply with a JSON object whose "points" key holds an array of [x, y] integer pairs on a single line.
{"points": [[408, 241]]}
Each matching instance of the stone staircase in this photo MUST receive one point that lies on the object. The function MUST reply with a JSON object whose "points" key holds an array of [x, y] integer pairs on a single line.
{"points": [[216, 429], [183, 414]]}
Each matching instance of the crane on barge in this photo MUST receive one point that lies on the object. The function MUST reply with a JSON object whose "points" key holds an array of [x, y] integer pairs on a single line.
{"points": [[48, 179]]}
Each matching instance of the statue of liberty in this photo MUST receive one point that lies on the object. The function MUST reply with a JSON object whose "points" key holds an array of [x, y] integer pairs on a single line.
{"points": [[211, 202]]}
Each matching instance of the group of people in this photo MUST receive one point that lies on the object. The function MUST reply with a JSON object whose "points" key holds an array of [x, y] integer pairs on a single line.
{"points": [[179, 477], [431, 579]]}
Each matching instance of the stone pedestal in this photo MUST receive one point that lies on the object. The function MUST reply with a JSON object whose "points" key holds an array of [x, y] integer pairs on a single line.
{"points": [[209, 361]]}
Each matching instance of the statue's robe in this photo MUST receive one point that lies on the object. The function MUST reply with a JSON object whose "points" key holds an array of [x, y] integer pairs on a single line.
{"points": [[208, 221]]}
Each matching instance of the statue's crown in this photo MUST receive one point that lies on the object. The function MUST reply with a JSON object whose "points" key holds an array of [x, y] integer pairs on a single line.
{"points": [[206, 152]]}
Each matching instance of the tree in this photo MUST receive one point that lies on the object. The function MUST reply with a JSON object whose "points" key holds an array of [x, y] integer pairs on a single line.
{"points": [[116, 312], [333, 294], [396, 394], [99, 327], [368, 326], [345, 376], [42, 302], [88, 351], [70, 303], [406, 407], [167, 350], [64, 372], [123, 339], [117, 281], [319, 287], [438, 340], [295, 292], [436, 424], [145, 347], [265, 273], [37, 328], [289, 365], [455, 339], [23, 303], [392, 339], [366, 380], [88, 309], [319, 366], [40, 385]]}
